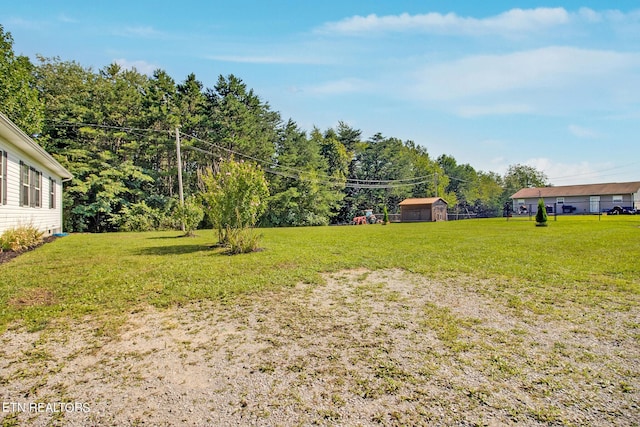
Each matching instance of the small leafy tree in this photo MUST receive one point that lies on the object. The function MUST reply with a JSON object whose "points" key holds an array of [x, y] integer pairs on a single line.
{"points": [[541, 215], [236, 197], [189, 214], [137, 217], [385, 215]]}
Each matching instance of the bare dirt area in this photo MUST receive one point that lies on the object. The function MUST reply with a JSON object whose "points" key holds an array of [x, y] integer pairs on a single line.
{"points": [[365, 348]]}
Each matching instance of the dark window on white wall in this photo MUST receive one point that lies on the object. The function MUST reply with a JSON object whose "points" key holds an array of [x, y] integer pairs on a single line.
{"points": [[36, 188], [24, 184], [52, 193], [3, 177], [30, 186]]}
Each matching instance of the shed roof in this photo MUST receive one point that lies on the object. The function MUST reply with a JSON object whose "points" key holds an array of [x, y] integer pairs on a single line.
{"points": [[579, 190], [15, 136], [424, 201]]}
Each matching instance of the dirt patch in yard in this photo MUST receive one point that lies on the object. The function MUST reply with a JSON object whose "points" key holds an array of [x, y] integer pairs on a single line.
{"points": [[365, 348], [33, 297]]}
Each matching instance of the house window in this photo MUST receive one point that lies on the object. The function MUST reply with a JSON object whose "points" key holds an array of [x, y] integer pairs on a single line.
{"points": [[30, 186], [617, 199], [3, 177], [560, 200], [36, 188], [52, 193], [24, 184]]}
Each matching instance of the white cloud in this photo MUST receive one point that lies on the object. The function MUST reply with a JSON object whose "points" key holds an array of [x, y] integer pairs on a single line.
{"points": [[524, 20], [145, 32], [498, 161], [67, 19], [338, 87], [564, 173], [266, 59], [589, 15], [493, 109], [140, 66], [583, 132], [23, 23], [511, 22], [548, 69], [514, 20]]}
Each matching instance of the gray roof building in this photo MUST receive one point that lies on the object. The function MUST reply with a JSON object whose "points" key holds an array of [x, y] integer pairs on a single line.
{"points": [[587, 198]]}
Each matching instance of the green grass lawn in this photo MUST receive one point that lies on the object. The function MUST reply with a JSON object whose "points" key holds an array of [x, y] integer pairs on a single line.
{"points": [[583, 259], [471, 322]]}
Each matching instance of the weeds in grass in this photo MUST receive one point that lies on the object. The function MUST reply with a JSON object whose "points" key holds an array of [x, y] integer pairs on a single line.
{"points": [[447, 327], [329, 414], [463, 355], [117, 272], [242, 240]]}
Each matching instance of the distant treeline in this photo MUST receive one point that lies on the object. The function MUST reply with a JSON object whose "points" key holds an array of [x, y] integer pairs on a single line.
{"points": [[115, 130]]}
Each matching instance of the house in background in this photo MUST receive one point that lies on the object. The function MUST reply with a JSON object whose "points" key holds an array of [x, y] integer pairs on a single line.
{"points": [[580, 199], [30, 182], [428, 209]]}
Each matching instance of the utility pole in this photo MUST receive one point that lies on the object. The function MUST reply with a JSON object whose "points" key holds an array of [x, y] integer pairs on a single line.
{"points": [[435, 182], [180, 192]]}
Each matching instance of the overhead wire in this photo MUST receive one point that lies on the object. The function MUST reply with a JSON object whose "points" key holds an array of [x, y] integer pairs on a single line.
{"points": [[349, 182], [96, 125], [596, 173], [329, 180]]}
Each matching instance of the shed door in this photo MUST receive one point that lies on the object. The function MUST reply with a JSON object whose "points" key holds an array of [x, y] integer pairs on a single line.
{"points": [[594, 204]]}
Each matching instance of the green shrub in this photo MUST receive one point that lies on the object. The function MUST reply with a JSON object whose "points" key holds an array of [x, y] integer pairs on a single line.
{"points": [[20, 239], [236, 196], [385, 217], [541, 215], [242, 240], [189, 214], [138, 217], [313, 219]]}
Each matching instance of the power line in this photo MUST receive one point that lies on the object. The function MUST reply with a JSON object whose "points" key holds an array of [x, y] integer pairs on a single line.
{"points": [[270, 166], [357, 183], [330, 182], [122, 128], [594, 173], [349, 182], [296, 176]]}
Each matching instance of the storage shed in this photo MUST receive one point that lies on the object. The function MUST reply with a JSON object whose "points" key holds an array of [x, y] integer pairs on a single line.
{"points": [[422, 210]]}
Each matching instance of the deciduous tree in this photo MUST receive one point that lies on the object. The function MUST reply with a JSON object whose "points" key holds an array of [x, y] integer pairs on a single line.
{"points": [[18, 94], [236, 196]]}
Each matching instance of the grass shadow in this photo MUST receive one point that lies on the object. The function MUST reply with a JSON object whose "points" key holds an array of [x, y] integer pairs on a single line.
{"points": [[174, 249], [179, 236]]}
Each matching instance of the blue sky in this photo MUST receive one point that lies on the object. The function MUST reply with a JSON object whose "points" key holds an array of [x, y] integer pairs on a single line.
{"points": [[553, 85]]}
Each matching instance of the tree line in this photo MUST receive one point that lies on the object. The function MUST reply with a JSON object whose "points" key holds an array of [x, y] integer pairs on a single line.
{"points": [[116, 129]]}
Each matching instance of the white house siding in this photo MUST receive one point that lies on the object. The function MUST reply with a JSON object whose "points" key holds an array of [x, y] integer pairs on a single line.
{"points": [[45, 218]]}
